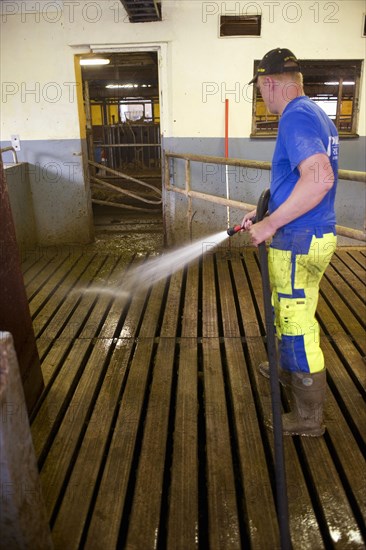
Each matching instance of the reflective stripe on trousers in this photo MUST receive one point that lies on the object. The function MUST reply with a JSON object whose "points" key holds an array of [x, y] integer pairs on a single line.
{"points": [[297, 261]]}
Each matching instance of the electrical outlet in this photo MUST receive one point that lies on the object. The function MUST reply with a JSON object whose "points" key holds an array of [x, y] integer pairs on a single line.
{"points": [[15, 142]]}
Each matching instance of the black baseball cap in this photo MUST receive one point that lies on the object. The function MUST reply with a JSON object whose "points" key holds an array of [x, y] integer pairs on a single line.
{"points": [[274, 62]]}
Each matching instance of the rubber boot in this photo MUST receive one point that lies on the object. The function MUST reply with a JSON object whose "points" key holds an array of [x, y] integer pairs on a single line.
{"points": [[308, 396], [284, 376]]}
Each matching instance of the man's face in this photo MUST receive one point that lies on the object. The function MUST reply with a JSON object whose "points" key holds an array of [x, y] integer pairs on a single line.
{"points": [[268, 88]]}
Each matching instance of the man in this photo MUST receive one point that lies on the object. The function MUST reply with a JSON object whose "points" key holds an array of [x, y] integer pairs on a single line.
{"points": [[301, 223]]}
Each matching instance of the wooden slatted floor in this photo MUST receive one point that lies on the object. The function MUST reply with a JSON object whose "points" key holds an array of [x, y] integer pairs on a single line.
{"points": [[150, 433]]}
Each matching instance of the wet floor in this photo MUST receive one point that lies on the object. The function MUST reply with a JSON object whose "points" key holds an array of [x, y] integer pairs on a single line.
{"points": [[154, 408], [125, 232]]}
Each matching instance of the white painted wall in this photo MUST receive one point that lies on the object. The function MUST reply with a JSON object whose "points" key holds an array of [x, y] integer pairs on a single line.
{"points": [[38, 99], [198, 70]]}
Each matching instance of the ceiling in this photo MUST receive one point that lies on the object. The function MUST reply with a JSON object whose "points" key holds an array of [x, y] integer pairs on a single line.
{"points": [[139, 69]]}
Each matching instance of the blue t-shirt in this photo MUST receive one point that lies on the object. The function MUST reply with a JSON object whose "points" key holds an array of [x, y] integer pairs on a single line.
{"points": [[304, 130]]}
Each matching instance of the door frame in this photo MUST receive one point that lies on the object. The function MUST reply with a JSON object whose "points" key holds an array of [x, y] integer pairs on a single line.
{"points": [[162, 53]]}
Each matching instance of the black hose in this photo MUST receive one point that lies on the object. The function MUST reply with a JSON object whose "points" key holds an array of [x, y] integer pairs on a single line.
{"points": [[280, 473]]}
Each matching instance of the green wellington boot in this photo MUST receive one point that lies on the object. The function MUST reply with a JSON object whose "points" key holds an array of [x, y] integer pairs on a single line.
{"points": [[308, 396]]}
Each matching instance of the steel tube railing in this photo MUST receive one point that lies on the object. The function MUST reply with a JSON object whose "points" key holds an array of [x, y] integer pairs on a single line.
{"points": [[12, 150], [349, 175]]}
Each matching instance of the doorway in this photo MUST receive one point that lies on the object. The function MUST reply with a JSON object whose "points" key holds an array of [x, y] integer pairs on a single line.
{"points": [[121, 101]]}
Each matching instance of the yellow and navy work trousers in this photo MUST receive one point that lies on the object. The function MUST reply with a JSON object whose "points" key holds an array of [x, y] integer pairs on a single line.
{"points": [[297, 260]]}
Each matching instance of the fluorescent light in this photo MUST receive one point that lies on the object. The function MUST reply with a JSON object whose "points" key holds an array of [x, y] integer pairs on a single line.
{"points": [[117, 86], [94, 61], [345, 83], [114, 86]]}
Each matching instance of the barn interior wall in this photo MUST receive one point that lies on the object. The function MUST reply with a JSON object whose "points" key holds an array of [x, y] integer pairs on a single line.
{"points": [[39, 100]]}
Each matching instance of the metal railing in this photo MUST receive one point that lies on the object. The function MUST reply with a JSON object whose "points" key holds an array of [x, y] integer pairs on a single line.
{"points": [[155, 201], [349, 175], [10, 148], [130, 143]]}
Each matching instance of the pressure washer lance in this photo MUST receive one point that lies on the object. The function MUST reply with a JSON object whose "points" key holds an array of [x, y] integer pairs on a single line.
{"points": [[232, 230]]}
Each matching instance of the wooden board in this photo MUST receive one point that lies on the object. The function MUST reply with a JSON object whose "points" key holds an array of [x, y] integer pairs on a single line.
{"points": [[183, 517], [107, 517], [72, 515]]}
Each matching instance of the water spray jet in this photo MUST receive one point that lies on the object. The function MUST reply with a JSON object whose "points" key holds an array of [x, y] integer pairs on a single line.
{"points": [[153, 270]]}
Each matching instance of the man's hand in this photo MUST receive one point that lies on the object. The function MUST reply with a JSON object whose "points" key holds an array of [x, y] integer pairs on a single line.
{"points": [[247, 221], [261, 231]]}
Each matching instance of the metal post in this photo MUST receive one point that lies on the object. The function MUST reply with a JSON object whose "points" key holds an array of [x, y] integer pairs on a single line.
{"points": [[227, 156], [339, 103], [188, 189]]}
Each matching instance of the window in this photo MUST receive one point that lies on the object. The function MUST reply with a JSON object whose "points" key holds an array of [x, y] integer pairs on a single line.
{"points": [[240, 25], [134, 111], [334, 85]]}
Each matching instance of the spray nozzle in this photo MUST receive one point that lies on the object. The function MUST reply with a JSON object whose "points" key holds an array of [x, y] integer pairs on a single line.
{"points": [[232, 230]]}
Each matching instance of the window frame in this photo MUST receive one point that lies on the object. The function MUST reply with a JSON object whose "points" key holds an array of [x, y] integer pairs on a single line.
{"points": [[344, 66]]}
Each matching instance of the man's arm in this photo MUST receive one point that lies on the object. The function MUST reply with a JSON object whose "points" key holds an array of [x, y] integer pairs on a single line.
{"points": [[316, 179]]}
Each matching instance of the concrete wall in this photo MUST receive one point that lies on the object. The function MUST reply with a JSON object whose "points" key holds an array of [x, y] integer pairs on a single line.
{"points": [[41, 94], [59, 196], [46, 208], [21, 202]]}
